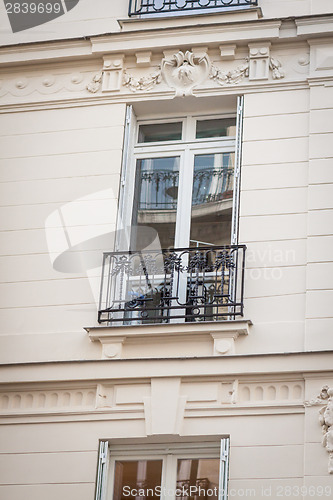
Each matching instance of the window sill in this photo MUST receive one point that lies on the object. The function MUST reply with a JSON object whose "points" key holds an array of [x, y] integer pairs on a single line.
{"points": [[193, 19], [172, 340]]}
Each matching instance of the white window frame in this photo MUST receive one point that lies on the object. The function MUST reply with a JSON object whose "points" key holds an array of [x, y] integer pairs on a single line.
{"points": [[169, 454], [186, 149]]}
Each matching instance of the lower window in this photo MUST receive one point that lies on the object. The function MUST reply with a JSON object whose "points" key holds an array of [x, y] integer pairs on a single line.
{"points": [[184, 472]]}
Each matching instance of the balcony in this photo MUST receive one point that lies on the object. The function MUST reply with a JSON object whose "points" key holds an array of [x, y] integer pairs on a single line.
{"points": [[147, 7], [172, 285]]}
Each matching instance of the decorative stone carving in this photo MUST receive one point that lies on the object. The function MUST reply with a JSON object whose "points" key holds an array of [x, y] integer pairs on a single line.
{"points": [[184, 71], [261, 62], [326, 420], [228, 52], [110, 77], [95, 83], [143, 58], [22, 84], [276, 66], [231, 77], [112, 72], [143, 83]]}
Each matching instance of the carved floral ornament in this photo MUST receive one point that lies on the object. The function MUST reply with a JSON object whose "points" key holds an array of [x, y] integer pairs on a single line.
{"points": [[184, 71], [326, 420]]}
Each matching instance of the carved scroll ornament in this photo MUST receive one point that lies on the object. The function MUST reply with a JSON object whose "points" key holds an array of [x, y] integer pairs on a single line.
{"points": [[326, 420], [184, 71]]}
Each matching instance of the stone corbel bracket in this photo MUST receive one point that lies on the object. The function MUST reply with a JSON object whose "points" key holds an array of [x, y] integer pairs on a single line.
{"points": [[110, 77], [326, 420], [261, 63], [202, 339]]}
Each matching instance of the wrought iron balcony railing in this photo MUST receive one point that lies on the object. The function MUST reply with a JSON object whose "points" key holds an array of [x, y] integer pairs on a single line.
{"points": [[173, 285], [143, 7], [159, 188]]}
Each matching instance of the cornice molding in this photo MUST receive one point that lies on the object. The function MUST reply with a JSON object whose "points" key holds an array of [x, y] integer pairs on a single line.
{"points": [[259, 365]]}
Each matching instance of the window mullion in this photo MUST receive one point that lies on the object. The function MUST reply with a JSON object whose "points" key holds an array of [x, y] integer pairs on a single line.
{"points": [[169, 477], [183, 222]]}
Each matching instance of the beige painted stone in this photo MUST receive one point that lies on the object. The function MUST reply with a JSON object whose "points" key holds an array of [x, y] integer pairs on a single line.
{"points": [[62, 343], [273, 227], [270, 462], [264, 282], [263, 488], [63, 190], [77, 491], [318, 334], [288, 175], [318, 304], [277, 103], [315, 459], [73, 467], [61, 166], [319, 276], [320, 196], [274, 334], [276, 127], [269, 309], [62, 142], [321, 97], [320, 171], [320, 248], [57, 120], [321, 146], [61, 148], [320, 121], [317, 485], [320, 222], [274, 202], [283, 253]]}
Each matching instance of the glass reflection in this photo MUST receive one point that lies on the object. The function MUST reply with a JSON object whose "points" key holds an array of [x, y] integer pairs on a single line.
{"points": [[137, 476], [159, 132], [201, 475], [221, 127], [212, 195], [155, 200]]}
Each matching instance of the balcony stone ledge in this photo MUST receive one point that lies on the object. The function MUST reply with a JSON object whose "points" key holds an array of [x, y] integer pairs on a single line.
{"points": [[172, 340], [158, 21]]}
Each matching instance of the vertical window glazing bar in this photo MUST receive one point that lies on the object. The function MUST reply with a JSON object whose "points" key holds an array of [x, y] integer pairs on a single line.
{"points": [[128, 137], [238, 161], [224, 469], [102, 466]]}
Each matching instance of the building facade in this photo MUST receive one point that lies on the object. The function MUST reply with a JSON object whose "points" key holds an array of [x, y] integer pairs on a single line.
{"points": [[166, 252]]}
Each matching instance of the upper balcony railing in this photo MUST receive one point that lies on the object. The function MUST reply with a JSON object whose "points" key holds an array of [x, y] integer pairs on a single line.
{"points": [[144, 7], [172, 285], [160, 187]]}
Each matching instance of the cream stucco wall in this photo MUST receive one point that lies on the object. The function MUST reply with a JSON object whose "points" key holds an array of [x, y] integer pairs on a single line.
{"points": [[62, 119]]}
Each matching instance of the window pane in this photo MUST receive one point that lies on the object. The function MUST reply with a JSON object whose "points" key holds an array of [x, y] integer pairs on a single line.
{"points": [[136, 475], [158, 132], [200, 473], [212, 196], [155, 200], [221, 127]]}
